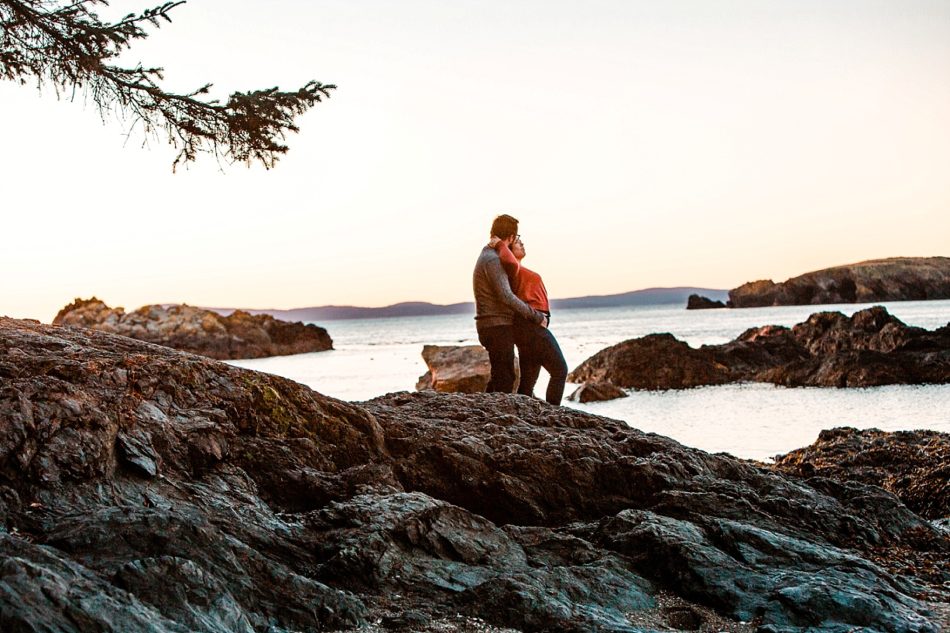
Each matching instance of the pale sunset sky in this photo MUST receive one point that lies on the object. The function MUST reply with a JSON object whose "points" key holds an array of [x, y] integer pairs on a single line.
{"points": [[703, 143]]}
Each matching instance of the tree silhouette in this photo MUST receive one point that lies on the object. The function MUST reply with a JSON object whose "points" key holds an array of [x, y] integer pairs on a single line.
{"points": [[64, 44]]}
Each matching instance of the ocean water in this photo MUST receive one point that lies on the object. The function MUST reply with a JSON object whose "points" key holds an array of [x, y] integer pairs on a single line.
{"points": [[757, 421]]}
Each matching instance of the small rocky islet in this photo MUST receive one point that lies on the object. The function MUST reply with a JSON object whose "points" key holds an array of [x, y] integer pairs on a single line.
{"points": [[199, 331], [148, 489]]}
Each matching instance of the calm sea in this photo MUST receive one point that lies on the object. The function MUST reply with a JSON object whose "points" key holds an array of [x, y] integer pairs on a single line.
{"points": [[377, 356]]}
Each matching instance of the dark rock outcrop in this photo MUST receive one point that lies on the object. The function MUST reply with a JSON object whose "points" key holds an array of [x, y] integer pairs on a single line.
{"points": [[698, 302], [894, 279], [913, 465], [144, 489], [597, 392], [199, 331], [870, 348]]}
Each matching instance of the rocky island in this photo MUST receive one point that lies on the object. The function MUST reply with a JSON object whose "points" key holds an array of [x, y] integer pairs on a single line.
{"points": [[146, 489], [870, 348], [894, 279], [199, 331]]}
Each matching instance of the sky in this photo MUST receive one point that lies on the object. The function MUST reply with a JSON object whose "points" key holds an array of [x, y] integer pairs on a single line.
{"points": [[641, 144]]}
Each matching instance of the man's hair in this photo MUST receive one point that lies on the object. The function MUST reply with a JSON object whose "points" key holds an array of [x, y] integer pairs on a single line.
{"points": [[504, 226]]}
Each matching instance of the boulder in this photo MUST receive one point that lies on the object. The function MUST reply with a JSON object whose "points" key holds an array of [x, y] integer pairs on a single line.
{"points": [[699, 302], [894, 279], [199, 331], [597, 392], [870, 348], [653, 362], [457, 368], [146, 489]]}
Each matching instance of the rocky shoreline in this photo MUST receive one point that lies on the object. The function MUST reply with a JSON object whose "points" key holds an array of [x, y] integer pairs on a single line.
{"points": [[145, 489], [829, 349], [893, 279], [190, 329]]}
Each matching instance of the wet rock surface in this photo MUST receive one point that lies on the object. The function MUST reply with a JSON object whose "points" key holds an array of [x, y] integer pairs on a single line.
{"points": [[894, 279], [144, 489], [190, 329], [870, 348]]}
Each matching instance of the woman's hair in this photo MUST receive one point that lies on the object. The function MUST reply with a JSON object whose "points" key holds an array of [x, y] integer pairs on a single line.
{"points": [[504, 226]]}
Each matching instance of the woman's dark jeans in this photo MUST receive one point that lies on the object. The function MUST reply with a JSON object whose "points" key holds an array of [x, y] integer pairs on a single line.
{"points": [[538, 348]]}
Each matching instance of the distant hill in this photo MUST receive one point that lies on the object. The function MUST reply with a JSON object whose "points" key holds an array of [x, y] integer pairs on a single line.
{"points": [[648, 296], [894, 279]]}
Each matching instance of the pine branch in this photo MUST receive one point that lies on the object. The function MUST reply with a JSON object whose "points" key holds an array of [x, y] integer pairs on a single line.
{"points": [[67, 46]]}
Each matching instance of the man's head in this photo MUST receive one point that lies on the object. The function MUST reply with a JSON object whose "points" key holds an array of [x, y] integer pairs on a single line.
{"points": [[504, 227]]}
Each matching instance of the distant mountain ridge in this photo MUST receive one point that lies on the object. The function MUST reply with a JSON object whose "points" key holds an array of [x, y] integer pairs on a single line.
{"points": [[647, 296]]}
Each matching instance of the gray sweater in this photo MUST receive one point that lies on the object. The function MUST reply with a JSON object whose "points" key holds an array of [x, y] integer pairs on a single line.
{"points": [[495, 303]]}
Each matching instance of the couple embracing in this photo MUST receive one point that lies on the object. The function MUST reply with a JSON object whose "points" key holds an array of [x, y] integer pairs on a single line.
{"points": [[511, 308]]}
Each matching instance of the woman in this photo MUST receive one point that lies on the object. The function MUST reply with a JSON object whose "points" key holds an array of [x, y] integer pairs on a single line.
{"points": [[537, 346]]}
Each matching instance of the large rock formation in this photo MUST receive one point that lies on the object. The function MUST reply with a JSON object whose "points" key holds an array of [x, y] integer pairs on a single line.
{"points": [[199, 331], [144, 489], [894, 279], [914, 465], [828, 350]]}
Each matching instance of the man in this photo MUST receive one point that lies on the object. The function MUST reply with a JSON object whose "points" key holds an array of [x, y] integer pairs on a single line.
{"points": [[496, 306]]}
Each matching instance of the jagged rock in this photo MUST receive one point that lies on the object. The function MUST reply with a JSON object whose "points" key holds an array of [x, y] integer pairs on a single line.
{"points": [[597, 392], [894, 279], [274, 508], [699, 302], [914, 465], [828, 350], [199, 331], [457, 369]]}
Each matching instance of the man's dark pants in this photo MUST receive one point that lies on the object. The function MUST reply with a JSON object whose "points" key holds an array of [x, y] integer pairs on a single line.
{"points": [[499, 340]]}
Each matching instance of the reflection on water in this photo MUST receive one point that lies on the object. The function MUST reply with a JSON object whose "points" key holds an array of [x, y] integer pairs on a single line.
{"points": [[377, 356]]}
